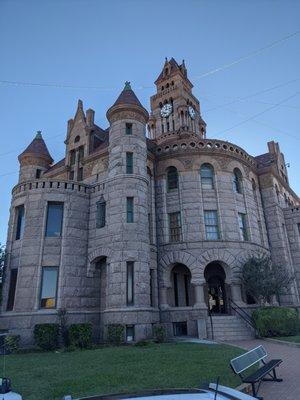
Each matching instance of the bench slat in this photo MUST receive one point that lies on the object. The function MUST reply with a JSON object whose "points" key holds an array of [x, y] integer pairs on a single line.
{"points": [[261, 372], [246, 360]]}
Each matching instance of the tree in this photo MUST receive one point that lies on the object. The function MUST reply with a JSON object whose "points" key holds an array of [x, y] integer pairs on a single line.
{"points": [[262, 279], [2, 259]]}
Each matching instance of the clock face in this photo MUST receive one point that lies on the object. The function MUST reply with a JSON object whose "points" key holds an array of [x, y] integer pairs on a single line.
{"points": [[192, 112], [166, 110]]}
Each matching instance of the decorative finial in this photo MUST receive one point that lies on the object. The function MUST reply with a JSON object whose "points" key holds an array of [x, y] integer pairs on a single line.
{"points": [[166, 59], [80, 104], [38, 135], [127, 86]]}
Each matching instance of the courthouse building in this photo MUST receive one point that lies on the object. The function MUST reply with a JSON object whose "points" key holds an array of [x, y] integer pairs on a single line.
{"points": [[145, 222]]}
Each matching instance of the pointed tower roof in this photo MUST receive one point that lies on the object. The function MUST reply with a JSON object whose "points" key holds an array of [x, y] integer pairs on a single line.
{"points": [[37, 148], [127, 96], [127, 99], [173, 67]]}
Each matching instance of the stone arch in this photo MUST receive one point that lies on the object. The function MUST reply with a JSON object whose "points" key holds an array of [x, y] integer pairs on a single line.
{"points": [[227, 260], [168, 260], [94, 255], [245, 255], [205, 159]]}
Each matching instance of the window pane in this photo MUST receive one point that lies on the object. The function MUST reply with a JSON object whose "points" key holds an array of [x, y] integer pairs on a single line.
{"points": [[128, 129], [130, 282], [243, 226], [211, 225], [129, 209], [80, 174], [172, 178], [20, 222], [129, 333], [174, 227], [80, 153], [49, 287], [100, 214], [237, 181], [54, 219], [12, 289], [207, 176], [72, 157], [129, 163]]}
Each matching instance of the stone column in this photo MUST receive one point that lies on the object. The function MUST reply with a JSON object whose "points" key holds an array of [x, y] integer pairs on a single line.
{"points": [[236, 294], [199, 296]]}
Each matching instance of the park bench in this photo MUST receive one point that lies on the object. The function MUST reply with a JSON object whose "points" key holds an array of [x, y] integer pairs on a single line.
{"points": [[266, 372]]}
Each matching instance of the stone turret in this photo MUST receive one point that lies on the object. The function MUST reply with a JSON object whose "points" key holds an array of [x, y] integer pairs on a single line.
{"points": [[35, 159], [128, 212]]}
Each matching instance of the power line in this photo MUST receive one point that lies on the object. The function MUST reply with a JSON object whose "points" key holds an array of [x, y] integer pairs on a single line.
{"points": [[142, 87], [247, 56], [256, 94], [258, 114]]}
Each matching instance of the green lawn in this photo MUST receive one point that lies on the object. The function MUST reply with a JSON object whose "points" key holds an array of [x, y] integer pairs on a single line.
{"points": [[294, 339], [45, 376]]}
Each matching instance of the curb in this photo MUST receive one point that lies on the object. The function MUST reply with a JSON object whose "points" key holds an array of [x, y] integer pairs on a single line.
{"points": [[283, 342]]}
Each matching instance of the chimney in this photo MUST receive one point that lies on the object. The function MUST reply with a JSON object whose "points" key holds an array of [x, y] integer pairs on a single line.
{"points": [[90, 114]]}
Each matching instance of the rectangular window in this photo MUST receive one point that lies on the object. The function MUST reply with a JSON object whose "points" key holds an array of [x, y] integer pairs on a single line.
{"points": [[174, 227], [12, 289], [49, 287], [71, 175], [72, 157], [298, 228], [243, 226], [129, 333], [211, 225], [129, 163], [80, 174], [129, 209], [130, 283], [20, 218], [80, 153], [38, 173], [100, 214], [128, 129], [54, 219]]}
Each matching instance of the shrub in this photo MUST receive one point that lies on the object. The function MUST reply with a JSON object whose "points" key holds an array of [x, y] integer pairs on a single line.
{"points": [[80, 335], [159, 333], [115, 333], [276, 321], [46, 336], [142, 343], [12, 343]]}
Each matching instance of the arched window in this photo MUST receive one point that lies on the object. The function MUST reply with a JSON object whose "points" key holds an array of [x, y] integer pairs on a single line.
{"points": [[172, 178], [237, 180], [207, 176]]}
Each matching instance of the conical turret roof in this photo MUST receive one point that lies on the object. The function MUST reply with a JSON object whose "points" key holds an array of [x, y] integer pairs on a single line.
{"points": [[37, 148], [127, 96], [127, 99]]}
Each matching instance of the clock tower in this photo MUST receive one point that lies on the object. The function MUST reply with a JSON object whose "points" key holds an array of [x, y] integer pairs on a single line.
{"points": [[174, 108]]}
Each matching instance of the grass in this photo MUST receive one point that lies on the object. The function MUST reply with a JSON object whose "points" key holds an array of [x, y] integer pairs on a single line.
{"points": [[293, 339], [45, 376]]}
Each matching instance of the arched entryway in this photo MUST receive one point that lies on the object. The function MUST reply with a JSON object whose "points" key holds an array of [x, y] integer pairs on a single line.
{"points": [[181, 293], [216, 289]]}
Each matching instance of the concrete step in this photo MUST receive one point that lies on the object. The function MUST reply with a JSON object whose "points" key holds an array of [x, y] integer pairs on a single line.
{"points": [[228, 327]]}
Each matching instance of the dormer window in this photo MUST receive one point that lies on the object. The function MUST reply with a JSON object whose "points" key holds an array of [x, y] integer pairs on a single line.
{"points": [[166, 71], [77, 138]]}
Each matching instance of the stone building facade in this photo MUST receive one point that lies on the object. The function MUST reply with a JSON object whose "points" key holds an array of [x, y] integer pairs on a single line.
{"points": [[145, 222]]}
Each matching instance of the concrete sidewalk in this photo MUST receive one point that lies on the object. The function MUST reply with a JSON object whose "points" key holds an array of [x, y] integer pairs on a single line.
{"points": [[289, 370]]}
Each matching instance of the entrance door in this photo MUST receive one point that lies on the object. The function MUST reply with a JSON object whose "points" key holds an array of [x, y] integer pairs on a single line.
{"points": [[216, 293], [180, 328], [216, 296]]}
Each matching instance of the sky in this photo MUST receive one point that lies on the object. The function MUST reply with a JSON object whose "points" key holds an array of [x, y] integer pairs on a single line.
{"points": [[242, 56]]}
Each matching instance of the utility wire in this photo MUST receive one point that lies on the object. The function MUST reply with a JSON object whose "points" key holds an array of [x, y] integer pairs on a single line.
{"points": [[142, 87], [257, 115], [247, 56]]}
